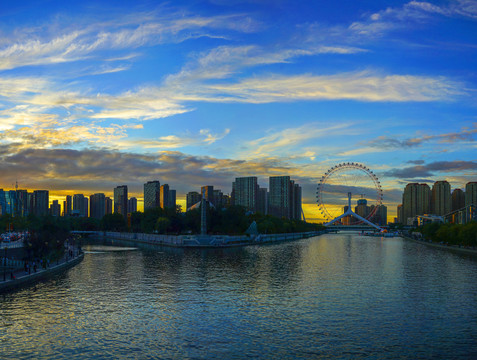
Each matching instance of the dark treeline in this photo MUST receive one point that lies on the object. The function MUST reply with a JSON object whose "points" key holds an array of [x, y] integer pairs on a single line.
{"points": [[453, 234], [234, 220]]}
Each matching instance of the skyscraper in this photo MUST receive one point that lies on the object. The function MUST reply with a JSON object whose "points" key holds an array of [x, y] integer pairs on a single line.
{"points": [[458, 199], [471, 194], [416, 200], [172, 199], [400, 216], [55, 208], [262, 203], [441, 198], [121, 200], [245, 192], [108, 205], [164, 194], [22, 201], [41, 201], [132, 205], [192, 198], [284, 198], [207, 193], [79, 205], [152, 195], [69, 206], [97, 205]]}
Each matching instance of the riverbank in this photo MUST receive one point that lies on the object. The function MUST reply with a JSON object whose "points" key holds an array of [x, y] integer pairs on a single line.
{"points": [[207, 241], [22, 279], [453, 248]]}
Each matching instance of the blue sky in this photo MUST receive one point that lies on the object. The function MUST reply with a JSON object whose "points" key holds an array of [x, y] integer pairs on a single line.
{"points": [[95, 94]]}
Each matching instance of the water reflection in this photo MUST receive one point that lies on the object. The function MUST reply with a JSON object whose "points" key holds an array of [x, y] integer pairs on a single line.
{"points": [[332, 296]]}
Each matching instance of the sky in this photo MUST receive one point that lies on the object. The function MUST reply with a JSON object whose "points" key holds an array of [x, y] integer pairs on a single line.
{"points": [[96, 94]]}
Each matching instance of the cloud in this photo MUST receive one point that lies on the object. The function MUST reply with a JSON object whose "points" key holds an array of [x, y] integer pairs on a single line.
{"points": [[205, 137], [466, 134], [430, 169], [124, 33]]}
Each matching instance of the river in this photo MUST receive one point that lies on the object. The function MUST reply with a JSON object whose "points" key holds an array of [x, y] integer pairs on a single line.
{"points": [[332, 296]]}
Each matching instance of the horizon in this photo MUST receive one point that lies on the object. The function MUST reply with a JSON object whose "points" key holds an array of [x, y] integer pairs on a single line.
{"points": [[202, 92]]}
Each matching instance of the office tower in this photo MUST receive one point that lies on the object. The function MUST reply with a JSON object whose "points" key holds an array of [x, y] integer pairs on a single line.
{"points": [[132, 205], [262, 201], [284, 198], [219, 199], [458, 199], [245, 192], [97, 205], [22, 203], [121, 200], [380, 216], [152, 195], [207, 193], [41, 201], [416, 200], [55, 208], [108, 205], [192, 198], [69, 206], [400, 215], [164, 194], [441, 198], [8, 202], [79, 205], [172, 199], [362, 209], [64, 208], [86, 207], [471, 194]]}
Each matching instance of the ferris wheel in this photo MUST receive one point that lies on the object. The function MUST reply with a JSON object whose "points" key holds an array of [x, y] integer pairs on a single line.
{"points": [[349, 184]]}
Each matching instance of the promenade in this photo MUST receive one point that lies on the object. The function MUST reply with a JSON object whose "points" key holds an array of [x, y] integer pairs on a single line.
{"points": [[24, 276]]}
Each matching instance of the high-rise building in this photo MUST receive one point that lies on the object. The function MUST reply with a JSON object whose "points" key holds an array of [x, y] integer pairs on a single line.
{"points": [[152, 195], [207, 193], [68, 209], [164, 194], [55, 208], [458, 199], [362, 209], [79, 205], [41, 201], [380, 216], [192, 198], [86, 206], [400, 216], [284, 198], [97, 205], [441, 198], [172, 199], [121, 200], [262, 201], [245, 192], [22, 203], [471, 194], [108, 205], [132, 205], [416, 200]]}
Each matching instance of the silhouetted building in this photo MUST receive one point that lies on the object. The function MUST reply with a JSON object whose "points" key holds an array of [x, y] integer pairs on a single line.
{"points": [[458, 199], [79, 206], [164, 196], [68, 207], [97, 205], [245, 192], [284, 198], [400, 216], [108, 205], [192, 198], [55, 208], [207, 193], [23, 208], [121, 200], [380, 216], [362, 209], [152, 195], [172, 199], [262, 202], [441, 198], [471, 194], [416, 200], [41, 201], [132, 205]]}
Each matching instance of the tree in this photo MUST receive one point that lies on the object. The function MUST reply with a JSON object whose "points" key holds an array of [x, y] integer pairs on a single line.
{"points": [[162, 224], [113, 222]]}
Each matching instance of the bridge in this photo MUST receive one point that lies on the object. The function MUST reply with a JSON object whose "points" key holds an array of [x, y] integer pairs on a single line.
{"points": [[369, 225]]}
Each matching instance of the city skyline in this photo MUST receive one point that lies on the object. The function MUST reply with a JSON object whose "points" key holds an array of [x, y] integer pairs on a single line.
{"points": [[195, 93]]}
